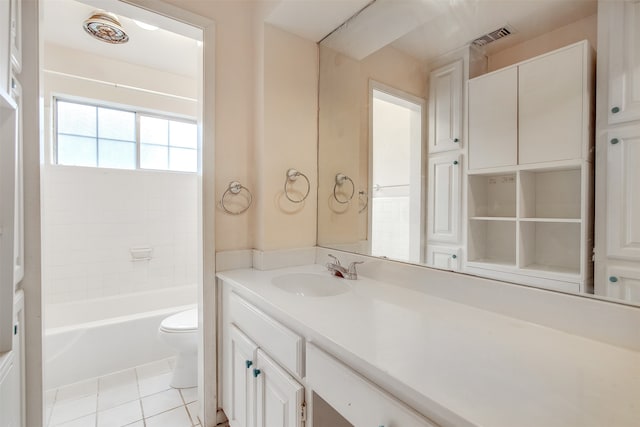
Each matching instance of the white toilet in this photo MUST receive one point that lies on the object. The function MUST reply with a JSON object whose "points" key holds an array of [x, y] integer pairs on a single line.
{"points": [[180, 331]]}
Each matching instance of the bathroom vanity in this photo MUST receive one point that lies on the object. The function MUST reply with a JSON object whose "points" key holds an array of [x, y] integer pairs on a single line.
{"points": [[410, 352]]}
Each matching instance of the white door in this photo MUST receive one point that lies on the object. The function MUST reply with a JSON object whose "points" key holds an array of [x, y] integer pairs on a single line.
{"points": [[279, 398], [443, 207], [550, 104], [445, 108], [624, 61], [623, 283], [241, 393], [623, 193], [493, 119]]}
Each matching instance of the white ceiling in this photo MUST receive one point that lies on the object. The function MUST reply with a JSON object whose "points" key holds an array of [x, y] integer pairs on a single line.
{"points": [[313, 19], [421, 28], [465, 20], [174, 51], [426, 29]]}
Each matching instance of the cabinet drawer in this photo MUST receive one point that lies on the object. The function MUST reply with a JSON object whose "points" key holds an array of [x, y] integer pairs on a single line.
{"points": [[279, 342], [356, 399]]}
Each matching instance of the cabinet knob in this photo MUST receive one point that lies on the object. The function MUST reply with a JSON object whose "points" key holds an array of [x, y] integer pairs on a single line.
{"points": [[454, 256], [455, 162], [615, 110], [613, 279], [614, 141], [256, 372], [456, 140], [248, 363]]}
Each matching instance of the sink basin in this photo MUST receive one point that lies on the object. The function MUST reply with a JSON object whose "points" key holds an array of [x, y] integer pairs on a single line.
{"points": [[311, 285]]}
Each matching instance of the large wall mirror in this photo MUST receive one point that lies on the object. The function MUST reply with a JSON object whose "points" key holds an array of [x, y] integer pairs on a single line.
{"points": [[462, 135]]}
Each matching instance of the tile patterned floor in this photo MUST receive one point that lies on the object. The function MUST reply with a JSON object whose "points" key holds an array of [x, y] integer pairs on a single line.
{"points": [[137, 397]]}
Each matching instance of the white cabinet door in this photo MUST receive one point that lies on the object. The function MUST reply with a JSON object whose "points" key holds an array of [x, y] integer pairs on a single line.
{"points": [[16, 34], [623, 193], [5, 53], [623, 283], [493, 119], [444, 257], [10, 396], [624, 61], [445, 108], [241, 391], [550, 95], [443, 205], [18, 228], [279, 398]]}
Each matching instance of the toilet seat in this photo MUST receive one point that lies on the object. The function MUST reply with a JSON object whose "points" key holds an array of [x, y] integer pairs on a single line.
{"points": [[185, 321]]}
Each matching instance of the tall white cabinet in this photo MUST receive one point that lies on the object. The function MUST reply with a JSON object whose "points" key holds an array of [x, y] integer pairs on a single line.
{"points": [[12, 370], [617, 246], [530, 173], [446, 157]]}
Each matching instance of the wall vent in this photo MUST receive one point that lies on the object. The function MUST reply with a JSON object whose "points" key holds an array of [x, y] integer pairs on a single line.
{"points": [[493, 36]]}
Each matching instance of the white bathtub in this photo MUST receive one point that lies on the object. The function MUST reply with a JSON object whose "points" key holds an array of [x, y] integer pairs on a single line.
{"points": [[90, 338]]}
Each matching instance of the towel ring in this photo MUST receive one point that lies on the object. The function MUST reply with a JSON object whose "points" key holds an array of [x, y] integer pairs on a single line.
{"points": [[363, 195], [292, 175], [234, 189], [340, 179]]}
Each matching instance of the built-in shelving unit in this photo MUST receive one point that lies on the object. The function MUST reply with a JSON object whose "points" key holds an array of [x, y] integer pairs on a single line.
{"points": [[528, 221], [529, 176]]}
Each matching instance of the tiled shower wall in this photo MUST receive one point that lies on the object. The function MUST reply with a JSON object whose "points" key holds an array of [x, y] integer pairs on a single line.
{"points": [[93, 217]]}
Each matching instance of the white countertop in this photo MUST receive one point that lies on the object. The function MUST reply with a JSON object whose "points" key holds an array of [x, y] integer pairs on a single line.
{"points": [[455, 363]]}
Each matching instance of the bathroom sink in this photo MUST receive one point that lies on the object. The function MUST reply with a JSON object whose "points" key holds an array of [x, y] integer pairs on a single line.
{"points": [[311, 285]]}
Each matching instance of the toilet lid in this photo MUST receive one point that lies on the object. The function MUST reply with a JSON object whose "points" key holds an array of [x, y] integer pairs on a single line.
{"points": [[181, 322]]}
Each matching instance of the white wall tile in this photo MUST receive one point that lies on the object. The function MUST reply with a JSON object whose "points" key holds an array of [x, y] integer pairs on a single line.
{"points": [[92, 217]]}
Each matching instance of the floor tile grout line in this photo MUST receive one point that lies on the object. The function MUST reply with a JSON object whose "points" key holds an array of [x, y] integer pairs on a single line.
{"points": [[144, 422], [97, 399]]}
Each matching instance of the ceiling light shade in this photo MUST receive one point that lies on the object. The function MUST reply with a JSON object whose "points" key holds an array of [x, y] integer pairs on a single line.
{"points": [[105, 26]]}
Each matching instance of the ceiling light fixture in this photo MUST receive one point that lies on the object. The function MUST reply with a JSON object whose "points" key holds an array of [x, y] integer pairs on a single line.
{"points": [[105, 27]]}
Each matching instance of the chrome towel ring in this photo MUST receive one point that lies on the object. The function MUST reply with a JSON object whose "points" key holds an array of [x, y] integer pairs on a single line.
{"points": [[363, 197], [234, 189], [340, 179], [292, 176]]}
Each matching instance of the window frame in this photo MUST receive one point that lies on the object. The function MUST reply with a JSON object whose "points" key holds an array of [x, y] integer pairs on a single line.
{"points": [[138, 113]]}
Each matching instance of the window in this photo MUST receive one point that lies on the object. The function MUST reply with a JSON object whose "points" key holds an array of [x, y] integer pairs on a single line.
{"points": [[98, 136]]}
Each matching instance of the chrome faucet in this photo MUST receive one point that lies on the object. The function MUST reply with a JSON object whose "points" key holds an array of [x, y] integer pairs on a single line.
{"points": [[337, 269]]}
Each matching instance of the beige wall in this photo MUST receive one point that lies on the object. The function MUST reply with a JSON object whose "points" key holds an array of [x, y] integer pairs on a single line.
{"points": [[234, 114], [289, 129], [585, 28], [344, 130], [265, 123]]}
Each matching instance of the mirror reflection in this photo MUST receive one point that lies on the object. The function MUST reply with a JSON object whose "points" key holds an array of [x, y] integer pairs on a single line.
{"points": [[466, 129]]}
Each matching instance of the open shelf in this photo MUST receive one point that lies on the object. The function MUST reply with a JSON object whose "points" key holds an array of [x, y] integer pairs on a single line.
{"points": [[552, 247], [557, 220], [492, 242], [528, 223], [493, 218], [492, 196], [550, 194]]}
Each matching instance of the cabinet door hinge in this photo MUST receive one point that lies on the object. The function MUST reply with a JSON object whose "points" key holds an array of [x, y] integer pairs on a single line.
{"points": [[303, 412]]}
